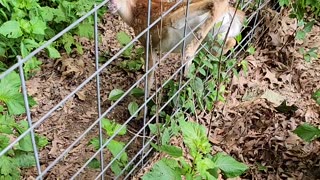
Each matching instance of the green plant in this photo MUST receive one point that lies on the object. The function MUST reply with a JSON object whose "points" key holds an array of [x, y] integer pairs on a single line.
{"points": [[301, 8], [21, 155], [306, 12], [310, 54], [11, 96], [114, 146], [202, 164], [204, 91], [133, 106], [307, 132], [316, 96], [135, 62], [25, 25], [201, 94]]}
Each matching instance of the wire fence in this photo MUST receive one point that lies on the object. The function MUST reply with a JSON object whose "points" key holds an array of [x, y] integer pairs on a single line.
{"points": [[140, 158]]}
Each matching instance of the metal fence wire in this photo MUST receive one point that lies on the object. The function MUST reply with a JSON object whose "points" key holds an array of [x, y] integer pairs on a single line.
{"points": [[140, 138]]}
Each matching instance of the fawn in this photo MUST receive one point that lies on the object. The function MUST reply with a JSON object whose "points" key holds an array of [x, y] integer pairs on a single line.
{"points": [[171, 30]]}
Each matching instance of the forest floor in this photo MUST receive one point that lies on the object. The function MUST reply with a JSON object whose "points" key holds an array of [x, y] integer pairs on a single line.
{"points": [[247, 126]]}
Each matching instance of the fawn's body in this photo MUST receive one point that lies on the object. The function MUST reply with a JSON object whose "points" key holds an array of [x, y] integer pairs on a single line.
{"points": [[168, 32]]}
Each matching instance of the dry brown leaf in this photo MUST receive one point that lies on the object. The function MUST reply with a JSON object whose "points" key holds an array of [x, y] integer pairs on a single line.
{"points": [[273, 97], [81, 95]]}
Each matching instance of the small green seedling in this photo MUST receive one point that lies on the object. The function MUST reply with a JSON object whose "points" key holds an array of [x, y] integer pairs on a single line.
{"points": [[115, 147]]}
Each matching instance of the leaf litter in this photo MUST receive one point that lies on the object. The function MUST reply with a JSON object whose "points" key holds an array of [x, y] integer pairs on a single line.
{"points": [[259, 130], [248, 126], [265, 106]]}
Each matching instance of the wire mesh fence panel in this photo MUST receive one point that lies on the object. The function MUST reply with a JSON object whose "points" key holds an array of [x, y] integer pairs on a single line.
{"points": [[94, 110]]}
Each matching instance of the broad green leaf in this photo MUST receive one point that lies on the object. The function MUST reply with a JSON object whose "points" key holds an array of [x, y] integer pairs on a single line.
{"points": [[307, 57], [67, 41], [208, 64], [165, 169], [244, 64], [59, 14], [116, 167], [4, 141], [301, 22], [6, 124], [85, 29], [194, 136], [42, 141], [10, 95], [228, 165], [300, 35], [123, 38], [133, 108], [38, 26], [112, 127], [251, 50], [185, 166], [25, 144], [202, 71], [308, 27], [115, 147], [165, 137], [94, 164], [11, 29], [284, 2], [171, 150], [203, 165], [137, 92], [24, 51], [95, 143], [25, 26], [47, 13], [154, 128], [307, 132], [25, 160], [8, 166], [239, 37], [53, 52], [32, 66], [30, 44], [198, 86], [18, 13], [115, 94]]}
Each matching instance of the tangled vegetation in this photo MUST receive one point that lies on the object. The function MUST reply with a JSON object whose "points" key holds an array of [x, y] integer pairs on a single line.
{"points": [[26, 25]]}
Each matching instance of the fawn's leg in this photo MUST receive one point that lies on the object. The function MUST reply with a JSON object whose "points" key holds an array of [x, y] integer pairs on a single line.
{"points": [[153, 59], [218, 9]]}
